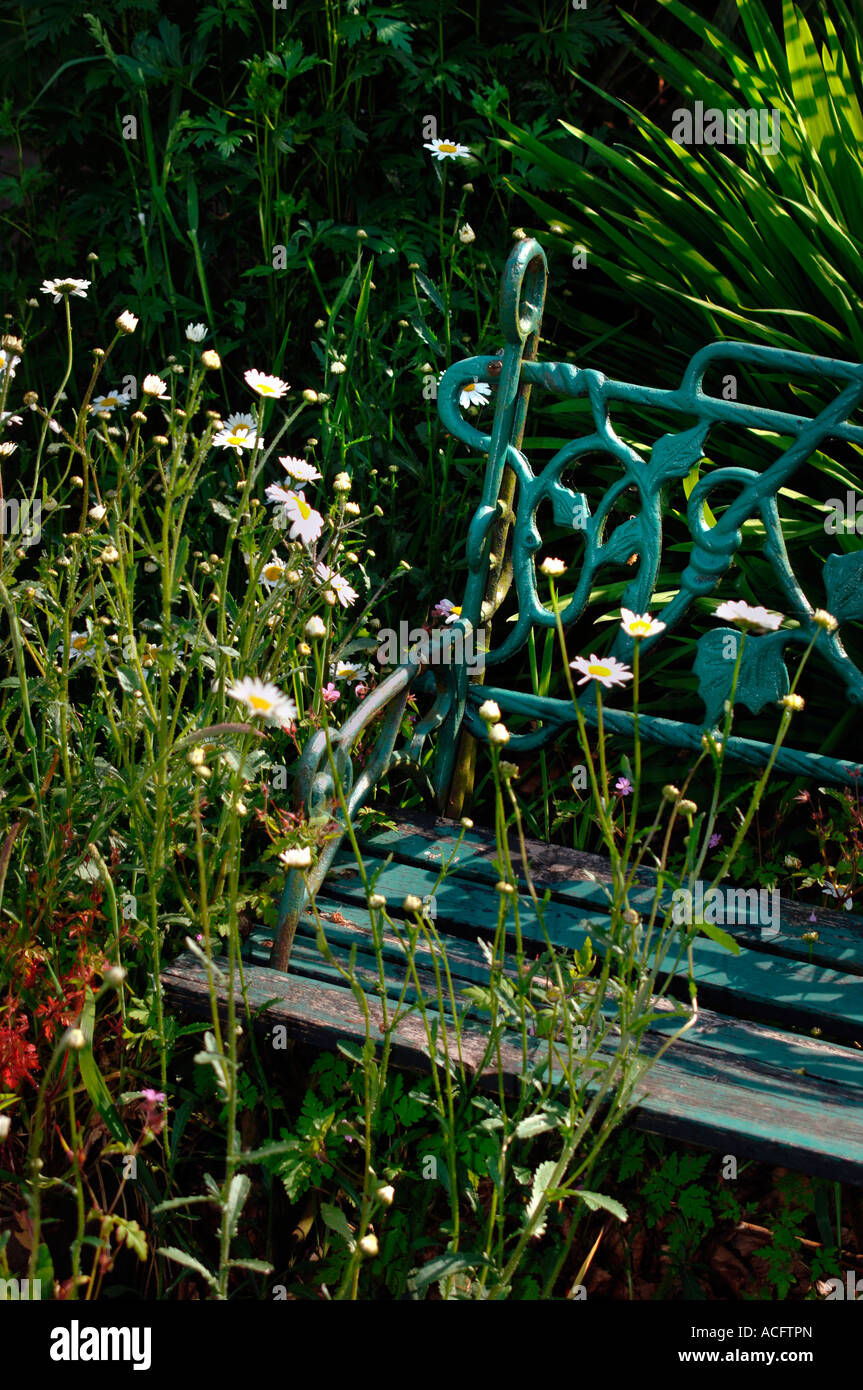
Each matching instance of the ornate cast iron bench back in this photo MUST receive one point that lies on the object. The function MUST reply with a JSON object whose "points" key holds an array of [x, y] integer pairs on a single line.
{"points": [[513, 492]]}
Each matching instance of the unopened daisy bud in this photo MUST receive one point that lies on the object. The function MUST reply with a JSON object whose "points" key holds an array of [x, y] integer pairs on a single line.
{"points": [[241, 808], [303, 649], [552, 567], [792, 862], [489, 711], [74, 1038], [508, 770], [503, 887], [161, 439], [312, 441], [211, 360], [412, 903], [5, 1126], [127, 322], [195, 757], [92, 256], [98, 512], [687, 807], [310, 395], [11, 343], [337, 368], [792, 702], [114, 976], [821, 618], [519, 234], [361, 234], [378, 511], [109, 556], [670, 793], [630, 917], [342, 482], [377, 900], [386, 1194], [315, 628], [139, 417], [467, 823], [30, 398], [369, 1245], [466, 234], [330, 598], [499, 734], [76, 480], [809, 936]]}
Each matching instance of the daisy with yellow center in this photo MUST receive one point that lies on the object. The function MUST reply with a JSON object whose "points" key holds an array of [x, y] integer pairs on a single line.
{"points": [[238, 432], [264, 700], [306, 524], [270, 386], [343, 591], [8, 362], [78, 643], [606, 670], [446, 149], [299, 470], [273, 571], [347, 671], [639, 624], [103, 405], [68, 286], [446, 609]]}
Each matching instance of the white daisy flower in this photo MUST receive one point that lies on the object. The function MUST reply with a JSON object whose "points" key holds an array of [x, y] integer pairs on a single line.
{"points": [[447, 609], [759, 619], [343, 591], [239, 432], [266, 385], [68, 286], [603, 669], [196, 332], [7, 418], [79, 646], [264, 699], [639, 624], [104, 405], [8, 362], [446, 149], [466, 234], [278, 494], [300, 857], [474, 393], [154, 386], [347, 671], [299, 470], [273, 572], [127, 322], [306, 524]]}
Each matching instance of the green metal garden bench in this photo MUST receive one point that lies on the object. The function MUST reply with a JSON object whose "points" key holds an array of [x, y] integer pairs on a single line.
{"points": [[744, 1079]]}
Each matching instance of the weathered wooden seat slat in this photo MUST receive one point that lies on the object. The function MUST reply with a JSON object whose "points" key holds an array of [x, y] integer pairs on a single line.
{"points": [[733, 1083], [748, 1077]]}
